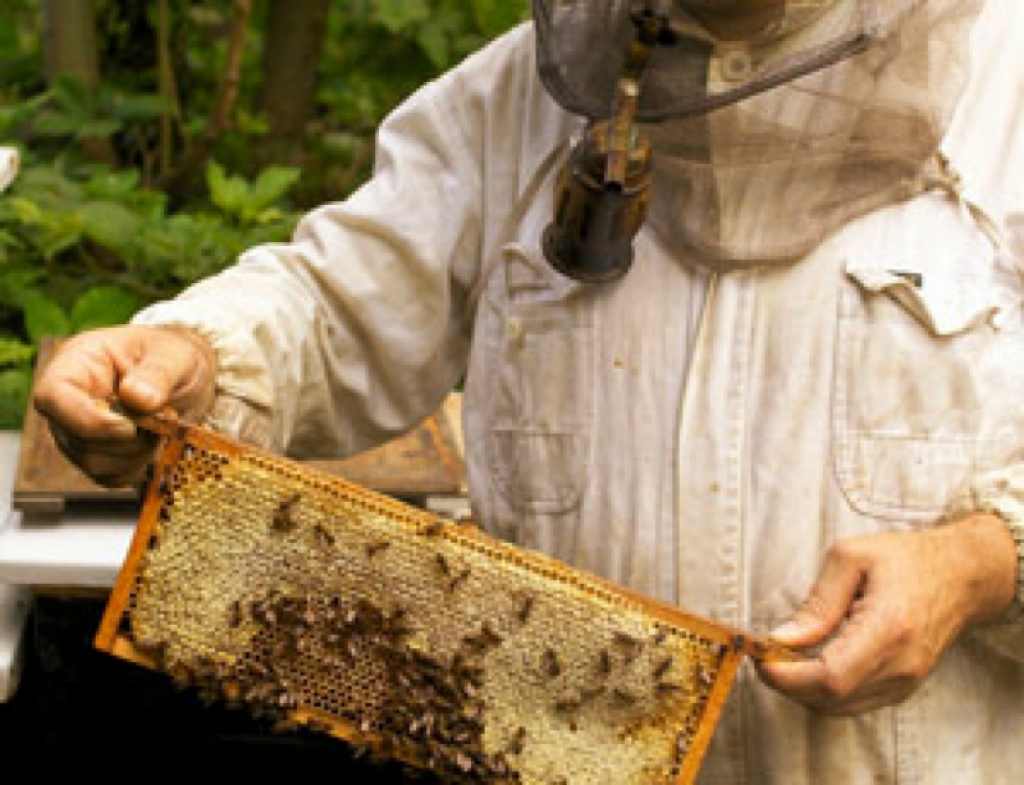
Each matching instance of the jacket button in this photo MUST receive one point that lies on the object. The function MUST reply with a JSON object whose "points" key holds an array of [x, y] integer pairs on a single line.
{"points": [[735, 65]]}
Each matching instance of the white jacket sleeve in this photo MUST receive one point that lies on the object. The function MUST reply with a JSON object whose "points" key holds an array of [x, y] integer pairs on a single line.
{"points": [[355, 330], [1000, 492]]}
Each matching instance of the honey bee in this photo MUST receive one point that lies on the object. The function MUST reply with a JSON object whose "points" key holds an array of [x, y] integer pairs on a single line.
{"points": [[475, 643], [322, 536], [515, 746], [374, 548], [442, 564], [552, 667], [284, 520], [485, 639], [458, 580], [166, 489], [525, 607], [490, 635], [664, 688], [567, 705], [628, 642], [623, 697], [663, 667], [630, 646]]}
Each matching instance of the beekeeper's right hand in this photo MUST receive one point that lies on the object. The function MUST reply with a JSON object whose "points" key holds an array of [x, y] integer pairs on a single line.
{"points": [[140, 368]]}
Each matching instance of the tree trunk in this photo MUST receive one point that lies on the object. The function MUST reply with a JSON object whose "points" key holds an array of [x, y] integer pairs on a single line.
{"points": [[69, 41], [69, 49], [198, 150], [293, 42]]}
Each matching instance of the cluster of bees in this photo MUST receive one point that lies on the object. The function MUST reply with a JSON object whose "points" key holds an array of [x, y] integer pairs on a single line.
{"points": [[627, 650], [432, 709]]}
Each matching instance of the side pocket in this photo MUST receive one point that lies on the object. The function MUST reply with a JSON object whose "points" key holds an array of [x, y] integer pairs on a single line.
{"points": [[542, 398]]}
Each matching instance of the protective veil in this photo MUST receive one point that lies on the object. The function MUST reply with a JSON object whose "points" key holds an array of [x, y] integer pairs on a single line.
{"points": [[764, 145]]}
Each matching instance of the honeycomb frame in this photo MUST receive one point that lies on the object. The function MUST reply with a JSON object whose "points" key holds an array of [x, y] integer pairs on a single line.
{"points": [[297, 594]]}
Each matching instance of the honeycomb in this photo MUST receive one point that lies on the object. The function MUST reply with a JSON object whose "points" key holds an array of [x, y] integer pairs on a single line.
{"points": [[298, 595]]}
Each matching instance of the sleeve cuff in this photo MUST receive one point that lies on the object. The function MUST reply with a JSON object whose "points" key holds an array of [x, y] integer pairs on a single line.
{"points": [[1001, 493], [244, 397]]}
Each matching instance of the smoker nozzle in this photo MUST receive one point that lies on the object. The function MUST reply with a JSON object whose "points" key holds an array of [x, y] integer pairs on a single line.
{"points": [[602, 195]]}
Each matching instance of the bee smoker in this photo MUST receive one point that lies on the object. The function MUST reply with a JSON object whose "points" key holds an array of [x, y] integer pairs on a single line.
{"points": [[603, 191]]}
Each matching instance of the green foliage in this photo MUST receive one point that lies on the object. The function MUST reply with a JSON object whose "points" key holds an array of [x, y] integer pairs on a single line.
{"points": [[250, 202], [72, 110], [102, 306], [93, 228], [15, 388]]}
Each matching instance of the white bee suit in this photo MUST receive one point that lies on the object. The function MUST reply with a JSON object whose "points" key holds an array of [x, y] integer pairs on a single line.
{"points": [[701, 430]]}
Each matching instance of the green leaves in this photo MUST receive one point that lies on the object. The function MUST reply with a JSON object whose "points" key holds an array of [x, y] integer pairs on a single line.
{"points": [[53, 213], [398, 15], [92, 225], [72, 109], [227, 192], [433, 40], [14, 352], [102, 306], [110, 224], [485, 17], [272, 184], [44, 317], [98, 306], [46, 232], [496, 16], [15, 387], [250, 202]]}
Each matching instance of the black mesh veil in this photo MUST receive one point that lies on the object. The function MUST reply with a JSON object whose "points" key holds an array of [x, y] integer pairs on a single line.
{"points": [[582, 47], [762, 146]]}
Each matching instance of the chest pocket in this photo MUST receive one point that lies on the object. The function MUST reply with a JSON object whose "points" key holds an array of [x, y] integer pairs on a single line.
{"points": [[542, 395], [929, 383]]}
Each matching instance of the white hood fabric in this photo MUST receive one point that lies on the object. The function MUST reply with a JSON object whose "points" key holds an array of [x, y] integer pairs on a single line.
{"points": [[702, 436]]}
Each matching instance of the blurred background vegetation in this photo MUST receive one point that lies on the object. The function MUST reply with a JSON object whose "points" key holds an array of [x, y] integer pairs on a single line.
{"points": [[159, 138]]}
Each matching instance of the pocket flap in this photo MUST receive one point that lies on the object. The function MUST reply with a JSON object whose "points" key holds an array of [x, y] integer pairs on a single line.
{"points": [[946, 302]]}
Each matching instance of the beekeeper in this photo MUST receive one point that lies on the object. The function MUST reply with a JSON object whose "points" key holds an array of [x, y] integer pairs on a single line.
{"points": [[793, 401]]}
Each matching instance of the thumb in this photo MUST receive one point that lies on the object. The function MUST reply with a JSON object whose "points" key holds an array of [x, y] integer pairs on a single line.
{"points": [[169, 372], [144, 389], [828, 603]]}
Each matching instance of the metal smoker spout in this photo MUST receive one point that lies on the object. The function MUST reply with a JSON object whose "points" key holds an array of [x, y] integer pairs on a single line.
{"points": [[603, 191]]}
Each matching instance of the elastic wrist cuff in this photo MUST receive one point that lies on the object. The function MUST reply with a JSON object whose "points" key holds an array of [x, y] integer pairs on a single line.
{"points": [[1006, 506]]}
